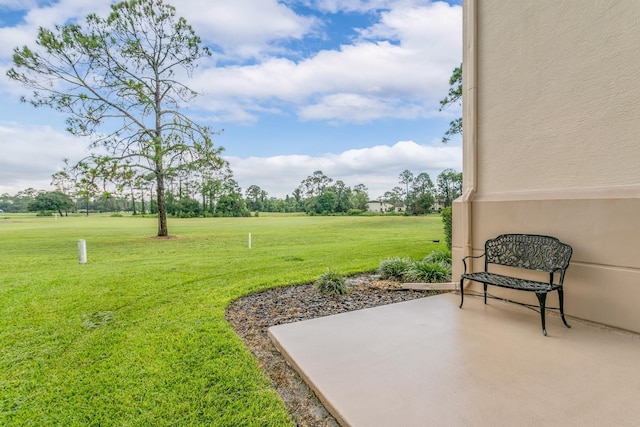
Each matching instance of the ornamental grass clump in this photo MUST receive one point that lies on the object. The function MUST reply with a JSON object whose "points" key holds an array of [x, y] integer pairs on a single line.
{"points": [[433, 268], [440, 256], [331, 283], [394, 269], [429, 272]]}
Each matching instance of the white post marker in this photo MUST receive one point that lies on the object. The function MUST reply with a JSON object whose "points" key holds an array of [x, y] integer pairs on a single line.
{"points": [[82, 251], [249, 240]]}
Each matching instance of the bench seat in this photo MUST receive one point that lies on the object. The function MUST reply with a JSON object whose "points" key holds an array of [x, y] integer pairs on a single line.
{"points": [[510, 282]]}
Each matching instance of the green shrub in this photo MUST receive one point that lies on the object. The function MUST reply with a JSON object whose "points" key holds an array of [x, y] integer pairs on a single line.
{"points": [[439, 255], [429, 272], [447, 221], [433, 268], [395, 268], [331, 283]]}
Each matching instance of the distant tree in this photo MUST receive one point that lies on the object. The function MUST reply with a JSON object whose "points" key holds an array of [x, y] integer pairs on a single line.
{"points": [[421, 204], [86, 186], [293, 203], [406, 178], [359, 197], [297, 196], [6, 202], [327, 202], [395, 196], [449, 184], [143, 185], [18, 203], [232, 204], [51, 201], [64, 181], [117, 79], [255, 195], [315, 184], [422, 199], [126, 180], [211, 193], [422, 185], [454, 97], [342, 194]]}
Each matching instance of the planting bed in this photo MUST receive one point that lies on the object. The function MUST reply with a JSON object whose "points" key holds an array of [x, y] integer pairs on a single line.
{"points": [[252, 315]]}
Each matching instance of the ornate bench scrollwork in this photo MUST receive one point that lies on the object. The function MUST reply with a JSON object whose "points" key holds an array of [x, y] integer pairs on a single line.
{"points": [[529, 252]]}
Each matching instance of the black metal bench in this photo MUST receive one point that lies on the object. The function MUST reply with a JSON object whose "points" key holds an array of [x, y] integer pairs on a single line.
{"points": [[526, 251]]}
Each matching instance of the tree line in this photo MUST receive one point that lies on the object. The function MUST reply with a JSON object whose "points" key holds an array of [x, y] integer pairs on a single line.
{"points": [[319, 194], [84, 188]]}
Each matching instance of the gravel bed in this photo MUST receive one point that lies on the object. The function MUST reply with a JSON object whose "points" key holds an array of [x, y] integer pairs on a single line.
{"points": [[252, 315]]}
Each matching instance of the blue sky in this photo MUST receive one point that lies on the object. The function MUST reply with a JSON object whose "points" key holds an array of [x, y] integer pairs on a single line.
{"points": [[349, 87]]}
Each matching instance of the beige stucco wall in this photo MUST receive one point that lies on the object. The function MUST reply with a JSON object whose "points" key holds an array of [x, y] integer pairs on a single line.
{"points": [[552, 142]]}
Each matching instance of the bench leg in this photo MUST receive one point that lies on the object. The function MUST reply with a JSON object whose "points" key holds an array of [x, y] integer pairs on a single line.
{"points": [[461, 292], [561, 298], [485, 292], [542, 298]]}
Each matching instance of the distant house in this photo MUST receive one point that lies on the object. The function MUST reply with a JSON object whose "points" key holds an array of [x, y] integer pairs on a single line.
{"points": [[383, 207], [376, 206]]}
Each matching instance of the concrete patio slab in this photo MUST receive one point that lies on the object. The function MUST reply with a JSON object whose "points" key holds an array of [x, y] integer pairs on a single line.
{"points": [[428, 363]]}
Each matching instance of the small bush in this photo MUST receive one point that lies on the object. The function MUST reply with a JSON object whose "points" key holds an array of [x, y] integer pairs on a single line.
{"points": [[395, 268], [439, 256], [429, 272], [447, 221], [331, 283], [434, 268]]}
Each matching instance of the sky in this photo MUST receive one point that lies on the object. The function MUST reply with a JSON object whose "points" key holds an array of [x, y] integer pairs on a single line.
{"points": [[348, 87]]}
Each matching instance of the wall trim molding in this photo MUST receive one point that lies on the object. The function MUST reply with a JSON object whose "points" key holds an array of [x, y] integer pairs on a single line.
{"points": [[598, 193]]}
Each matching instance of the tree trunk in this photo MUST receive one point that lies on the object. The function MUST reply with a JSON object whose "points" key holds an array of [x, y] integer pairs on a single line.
{"points": [[162, 205], [133, 201]]}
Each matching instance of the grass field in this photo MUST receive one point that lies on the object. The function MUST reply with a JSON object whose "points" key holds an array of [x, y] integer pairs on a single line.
{"points": [[137, 336]]}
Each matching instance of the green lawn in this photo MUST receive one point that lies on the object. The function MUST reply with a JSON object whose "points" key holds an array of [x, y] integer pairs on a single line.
{"points": [[137, 336]]}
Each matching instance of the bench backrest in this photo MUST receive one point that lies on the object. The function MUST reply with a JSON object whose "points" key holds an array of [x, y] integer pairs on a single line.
{"points": [[530, 251]]}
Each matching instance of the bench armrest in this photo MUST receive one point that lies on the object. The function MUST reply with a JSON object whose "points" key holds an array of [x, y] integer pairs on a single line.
{"points": [[469, 256]]}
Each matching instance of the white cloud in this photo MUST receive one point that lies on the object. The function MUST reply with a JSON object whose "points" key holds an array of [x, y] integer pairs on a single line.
{"points": [[403, 79], [32, 154], [334, 6], [374, 76], [244, 28], [358, 108], [46, 16], [18, 4], [376, 167]]}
